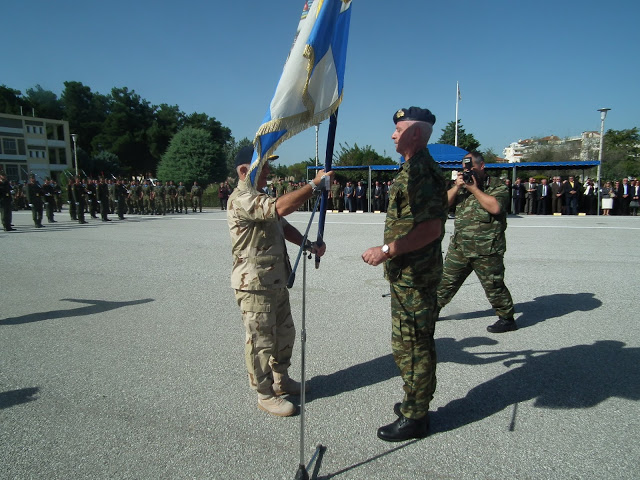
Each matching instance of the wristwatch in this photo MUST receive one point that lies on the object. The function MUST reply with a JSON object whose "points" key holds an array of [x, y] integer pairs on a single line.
{"points": [[385, 249]]}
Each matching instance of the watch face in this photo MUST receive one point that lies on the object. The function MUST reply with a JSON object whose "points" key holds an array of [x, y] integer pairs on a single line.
{"points": [[385, 249]]}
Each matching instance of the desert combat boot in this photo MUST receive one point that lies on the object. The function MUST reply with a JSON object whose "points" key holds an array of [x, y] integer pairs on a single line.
{"points": [[283, 384], [276, 405]]}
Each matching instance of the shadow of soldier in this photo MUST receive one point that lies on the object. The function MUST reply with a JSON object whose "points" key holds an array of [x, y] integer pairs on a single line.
{"points": [[17, 397], [540, 308], [581, 376], [352, 378], [93, 307]]}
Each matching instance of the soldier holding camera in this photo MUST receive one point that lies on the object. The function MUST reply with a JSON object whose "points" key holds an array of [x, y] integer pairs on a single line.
{"points": [[478, 243]]}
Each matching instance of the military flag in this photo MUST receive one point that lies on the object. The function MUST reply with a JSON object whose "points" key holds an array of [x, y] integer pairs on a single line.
{"points": [[312, 81]]}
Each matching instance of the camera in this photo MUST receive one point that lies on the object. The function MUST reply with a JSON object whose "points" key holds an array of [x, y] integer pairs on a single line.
{"points": [[468, 176]]}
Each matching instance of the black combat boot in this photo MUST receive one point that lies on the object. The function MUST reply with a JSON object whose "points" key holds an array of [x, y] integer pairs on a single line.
{"points": [[503, 325], [404, 429]]}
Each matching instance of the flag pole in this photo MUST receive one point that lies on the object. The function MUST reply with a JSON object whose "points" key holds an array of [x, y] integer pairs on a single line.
{"points": [[331, 137], [457, 99]]}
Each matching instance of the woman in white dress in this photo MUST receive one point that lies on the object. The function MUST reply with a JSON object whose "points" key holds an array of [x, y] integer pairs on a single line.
{"points": [[607, 194]]}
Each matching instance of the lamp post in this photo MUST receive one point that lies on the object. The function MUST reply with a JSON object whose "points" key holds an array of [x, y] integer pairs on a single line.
{"points": [[74, 137], [603, 115]]}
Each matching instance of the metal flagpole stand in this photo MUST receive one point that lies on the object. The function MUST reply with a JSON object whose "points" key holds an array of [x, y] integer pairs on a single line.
{"points": [[302, 473]]}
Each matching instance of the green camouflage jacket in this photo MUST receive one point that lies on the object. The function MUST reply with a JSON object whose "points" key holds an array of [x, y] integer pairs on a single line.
{"points": [[418, 194], [477, 232]]}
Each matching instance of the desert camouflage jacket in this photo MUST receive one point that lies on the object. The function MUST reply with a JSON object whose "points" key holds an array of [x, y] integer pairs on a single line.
{"points": [[477, 232], [417, 194], [260, 260]]}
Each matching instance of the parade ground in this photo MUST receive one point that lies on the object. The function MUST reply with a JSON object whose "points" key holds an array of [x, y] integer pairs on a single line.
{"points": [[121, 357]]}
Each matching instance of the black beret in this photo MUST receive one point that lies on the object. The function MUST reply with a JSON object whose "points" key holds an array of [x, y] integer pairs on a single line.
{"points": [[245, 154], [414, 113]]}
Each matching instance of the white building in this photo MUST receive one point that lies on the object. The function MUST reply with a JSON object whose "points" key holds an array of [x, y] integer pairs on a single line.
{"points": [[34, 145], [583, 147]]}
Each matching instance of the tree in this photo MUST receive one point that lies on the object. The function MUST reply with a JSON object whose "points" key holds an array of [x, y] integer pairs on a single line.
{"points": [[11, 100], [621, 154], [219, 134], [193, 156], [44, 102], [85, 111], [104, 163], [124, 132], [355, 156], [465, 140], [168, 119]]}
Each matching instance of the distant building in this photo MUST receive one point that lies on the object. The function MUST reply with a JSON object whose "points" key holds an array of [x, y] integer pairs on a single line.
{"points": [[32, 144], [583, 147]]}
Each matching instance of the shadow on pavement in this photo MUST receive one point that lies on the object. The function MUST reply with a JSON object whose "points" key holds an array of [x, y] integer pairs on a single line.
{"points": [[540, 308], [352, 378], [95, 306], [580, 376], [17, 397]]}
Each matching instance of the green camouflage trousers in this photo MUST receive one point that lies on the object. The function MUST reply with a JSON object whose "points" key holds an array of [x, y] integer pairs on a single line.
{"points": [[490, 272], [413, 314], [270, 335]]}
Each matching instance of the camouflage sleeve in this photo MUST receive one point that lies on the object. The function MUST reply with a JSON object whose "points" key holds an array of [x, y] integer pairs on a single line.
{"points": [[427, 194], [256, 208], [501, 193]]}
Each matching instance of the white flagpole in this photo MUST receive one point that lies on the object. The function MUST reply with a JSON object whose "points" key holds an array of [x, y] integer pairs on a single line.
{"points": [[457, 98]]}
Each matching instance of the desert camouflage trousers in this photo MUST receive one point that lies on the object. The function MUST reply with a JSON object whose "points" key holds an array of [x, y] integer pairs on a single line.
{"points": [[490, 272], [413, 315], [270, 335]]}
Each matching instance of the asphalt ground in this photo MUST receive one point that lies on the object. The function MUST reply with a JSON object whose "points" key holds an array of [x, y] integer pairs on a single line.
{"points": [[121, 356]]}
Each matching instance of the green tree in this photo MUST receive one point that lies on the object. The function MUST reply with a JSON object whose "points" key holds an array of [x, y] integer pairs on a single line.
{"points": [[104, 163], [219, 134], [11, 100], [167, 120], [348, 156], [85, 111], [124, 132], [45, 103], [193, 156], [465, 140], [621, 154]]}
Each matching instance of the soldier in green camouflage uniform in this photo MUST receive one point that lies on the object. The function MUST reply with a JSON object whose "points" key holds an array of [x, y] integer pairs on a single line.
{"points": [[478, 243], [181, 195], [412, 259], [159, 196], [146, 198], [259, 277], [196, 197], [336, 193]]}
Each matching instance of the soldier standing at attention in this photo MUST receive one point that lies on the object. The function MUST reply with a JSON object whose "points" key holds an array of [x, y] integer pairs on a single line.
{"points": [[6, 199], [412, 258], [171, 197], [196, 197], [102, 195], [159, 194], [72, 204], [478, 242], [146, 198], [49, 199], [120, 192], [92, 192], [35, 196], [259, 276], [79, 192], [181, 195], [336, 193]]}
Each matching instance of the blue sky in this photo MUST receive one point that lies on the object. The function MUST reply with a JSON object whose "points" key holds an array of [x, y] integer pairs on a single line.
{"points": [[526, 69]]}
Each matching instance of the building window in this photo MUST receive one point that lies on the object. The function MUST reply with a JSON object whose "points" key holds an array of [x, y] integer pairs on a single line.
{"points": [[9, 146], [13, 173]]}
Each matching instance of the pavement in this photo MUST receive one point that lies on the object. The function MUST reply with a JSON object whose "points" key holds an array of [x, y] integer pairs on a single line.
{"points": [[121, 357]]}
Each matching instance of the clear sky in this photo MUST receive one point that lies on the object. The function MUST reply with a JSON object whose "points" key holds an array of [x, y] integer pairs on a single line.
{"points": [[526, 69]]}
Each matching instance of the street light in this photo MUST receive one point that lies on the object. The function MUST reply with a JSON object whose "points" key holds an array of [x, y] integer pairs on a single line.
{"points": [[74, 137], [603, 115]]}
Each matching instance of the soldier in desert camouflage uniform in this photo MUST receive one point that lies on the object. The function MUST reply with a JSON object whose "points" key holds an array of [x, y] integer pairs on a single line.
{"points": [[259, 276], [478, 243], [412, 258]]}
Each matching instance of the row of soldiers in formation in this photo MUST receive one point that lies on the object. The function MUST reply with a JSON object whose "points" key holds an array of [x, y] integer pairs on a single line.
{"points": [[349, 198], [103, 196]]}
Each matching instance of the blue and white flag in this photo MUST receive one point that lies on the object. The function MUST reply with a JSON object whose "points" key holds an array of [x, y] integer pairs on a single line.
{"points": [[310, 88]]}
